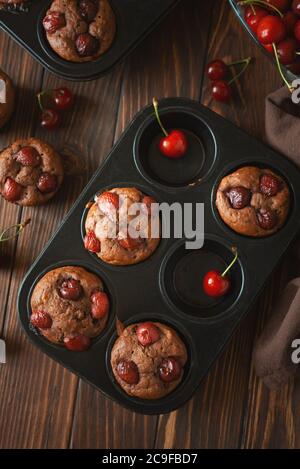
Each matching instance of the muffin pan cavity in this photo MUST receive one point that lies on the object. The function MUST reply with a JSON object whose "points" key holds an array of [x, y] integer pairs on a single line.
{"points": [[178, 173], [26, 28], [167, 287], [182, 276]]}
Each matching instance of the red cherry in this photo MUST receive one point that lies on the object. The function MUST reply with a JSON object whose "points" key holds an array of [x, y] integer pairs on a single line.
{"points": [[286, 50], [70, 290], [215, 285], [217, 70], [253, 19], [269, 48], [47, 183], [88, 9], [54, 21], [271, 29], [50, 119], [92, 243], [169, 370], [290, 20], [147, 333], [28, 156], [86, 45], [221, 91], [296, 7], [128, 372], [148, 201], [63, 98], [12, 190], [174, 145], [41, 320], [267, 219], [269, 185], [100, 305], [108, 203], [130, 243], [297, 30], [281, 5], [77, 342]]}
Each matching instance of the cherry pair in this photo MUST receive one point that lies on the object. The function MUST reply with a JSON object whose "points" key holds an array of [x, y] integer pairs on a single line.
{"points": [[51, 103], [218, 72]]}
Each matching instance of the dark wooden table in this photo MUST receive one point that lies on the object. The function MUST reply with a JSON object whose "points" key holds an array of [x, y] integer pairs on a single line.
{"points": [[41, 404]]}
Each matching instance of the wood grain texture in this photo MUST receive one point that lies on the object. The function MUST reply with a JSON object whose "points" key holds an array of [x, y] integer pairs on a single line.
{"points": [[43, 405]]}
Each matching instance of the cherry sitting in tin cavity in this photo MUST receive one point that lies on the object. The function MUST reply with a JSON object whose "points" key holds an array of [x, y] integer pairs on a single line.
{"points": [[217, 284], [174, 144]]}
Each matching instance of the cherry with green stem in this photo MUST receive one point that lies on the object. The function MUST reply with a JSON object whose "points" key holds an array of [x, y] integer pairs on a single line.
{"points": [[217, 284], [174, 144], [221, 89]]}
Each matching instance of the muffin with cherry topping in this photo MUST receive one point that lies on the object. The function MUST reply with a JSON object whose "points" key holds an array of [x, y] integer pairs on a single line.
{"points": [[107, 231], [80, 31], [253, 201], [69, 306], [7, 101], [31, 172], [148, 360]]}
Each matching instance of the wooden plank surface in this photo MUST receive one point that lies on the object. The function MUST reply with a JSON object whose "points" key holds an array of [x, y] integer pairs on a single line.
{"points": [[44, 406]]}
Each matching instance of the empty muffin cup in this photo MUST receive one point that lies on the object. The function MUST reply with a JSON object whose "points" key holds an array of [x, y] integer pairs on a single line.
{"points": [[182, 277], [182, 172]]}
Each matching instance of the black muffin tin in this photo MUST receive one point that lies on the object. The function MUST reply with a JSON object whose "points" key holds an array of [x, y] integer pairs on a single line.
{"points": [[135, 19], [168, 286]]}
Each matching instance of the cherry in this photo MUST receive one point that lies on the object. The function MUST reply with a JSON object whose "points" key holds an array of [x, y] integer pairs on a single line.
{"points": [[289, 20], [253, 18], [271, 29], [221, 91], [296, 7], [174, 144], [217, 284], [87, 9], [100, 305], [77, 342], [47, 183], [70, 289], [108, 203], [50, 119], [297, 30], [286, 50], [63, 98], [267, 219], [148, 201], [28, 156], [92, 243], [130, 243], [147, 333], [12, 190], [217, 70], [269, 185], [128, 372], [269, 48], [86, 44], [54, 21], [239, 197], [41, 320], [169, 370]]}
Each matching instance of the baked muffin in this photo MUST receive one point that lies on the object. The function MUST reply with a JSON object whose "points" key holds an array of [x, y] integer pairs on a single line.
{"points": [[7, 107], [106, 227], [80, 31], [253, 201], [31, 172], [69, 306], [148, 360]]}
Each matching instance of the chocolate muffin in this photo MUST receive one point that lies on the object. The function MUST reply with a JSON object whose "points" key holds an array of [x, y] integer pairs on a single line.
{"points": [[31, 172], [148, 360], [69, 306], [8, 102], [80, 31], [106, 229], [253, 201]]}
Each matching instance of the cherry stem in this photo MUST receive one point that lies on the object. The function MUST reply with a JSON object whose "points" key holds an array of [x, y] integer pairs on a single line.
{"points": [[4, 236], [235, 251], [261, 3], [155, 105], [297, 53], [280, 69], [40, 97], [246, 62]]}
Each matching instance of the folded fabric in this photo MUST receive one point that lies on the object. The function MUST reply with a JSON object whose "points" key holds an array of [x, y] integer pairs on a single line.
{"points": [[272, 351]]}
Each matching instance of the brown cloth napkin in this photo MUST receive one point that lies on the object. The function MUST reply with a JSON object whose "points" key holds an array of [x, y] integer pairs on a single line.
{"points": [[273, 351]]}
